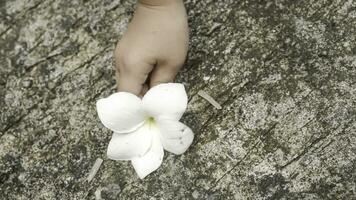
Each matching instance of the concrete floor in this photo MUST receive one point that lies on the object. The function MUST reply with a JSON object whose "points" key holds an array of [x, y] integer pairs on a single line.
{"points": [[284, 72]]}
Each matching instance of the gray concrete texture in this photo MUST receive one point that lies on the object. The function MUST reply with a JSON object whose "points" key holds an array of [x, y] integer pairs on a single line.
{"points": [[284, 72]]}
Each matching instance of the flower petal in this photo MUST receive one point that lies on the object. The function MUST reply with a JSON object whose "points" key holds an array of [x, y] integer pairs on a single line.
{"points": [[176, 137], [130, 145], [152, 159], [166, 101], [121, 112]]}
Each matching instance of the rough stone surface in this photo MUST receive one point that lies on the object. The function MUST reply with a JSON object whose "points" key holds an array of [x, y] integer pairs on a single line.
{"points": [[284, 72]]}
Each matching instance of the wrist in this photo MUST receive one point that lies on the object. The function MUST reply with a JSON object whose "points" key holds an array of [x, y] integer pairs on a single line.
{"points": [[159, 2]]}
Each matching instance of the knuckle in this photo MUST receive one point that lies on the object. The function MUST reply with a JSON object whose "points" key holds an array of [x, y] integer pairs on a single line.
{"points": [[130, 65], [177, 64], [176, 61], [129, 61], [125, 62]]}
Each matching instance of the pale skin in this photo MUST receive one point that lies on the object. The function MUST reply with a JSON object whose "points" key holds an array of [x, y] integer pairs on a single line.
{"points": [[154, 47]]}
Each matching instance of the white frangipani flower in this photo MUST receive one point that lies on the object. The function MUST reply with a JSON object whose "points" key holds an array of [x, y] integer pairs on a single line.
{"points": [[144, 127]]}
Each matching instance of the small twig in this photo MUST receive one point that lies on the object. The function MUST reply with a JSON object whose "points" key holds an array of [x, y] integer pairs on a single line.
{"points": [[94, 169], [209, 99], [98, 194]]}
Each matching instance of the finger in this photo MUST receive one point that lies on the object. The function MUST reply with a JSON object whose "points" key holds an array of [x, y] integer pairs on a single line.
{"points": [[133, 78], [163, 74], [129, 84]]}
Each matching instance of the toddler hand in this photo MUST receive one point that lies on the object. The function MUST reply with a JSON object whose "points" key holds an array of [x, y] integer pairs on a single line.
{"points": [[154, 47]]}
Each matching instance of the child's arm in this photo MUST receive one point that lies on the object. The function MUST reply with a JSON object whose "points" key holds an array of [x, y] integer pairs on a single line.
{"points": [[154, 47]]}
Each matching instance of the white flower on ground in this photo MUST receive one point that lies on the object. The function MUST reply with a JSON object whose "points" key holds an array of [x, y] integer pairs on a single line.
{"points": [[143, 128]]}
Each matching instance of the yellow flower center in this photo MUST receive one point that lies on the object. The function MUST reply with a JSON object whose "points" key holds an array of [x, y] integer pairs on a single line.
{"points": [[150, 121]]}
